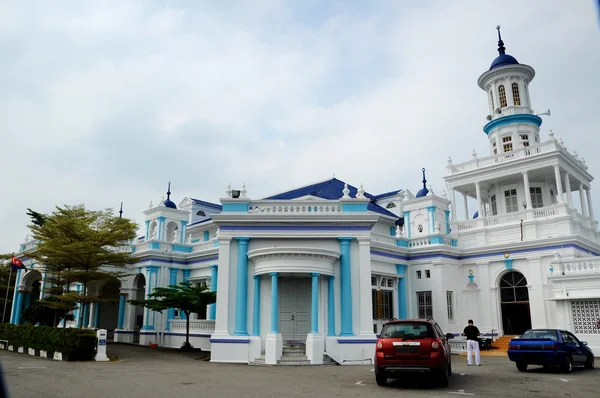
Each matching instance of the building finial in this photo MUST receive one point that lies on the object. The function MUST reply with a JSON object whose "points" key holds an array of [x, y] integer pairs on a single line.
{"points": [[121, 211], [169, 191], [501, 49], [424, 180]]}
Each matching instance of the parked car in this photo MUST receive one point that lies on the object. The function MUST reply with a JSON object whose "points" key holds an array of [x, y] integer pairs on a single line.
{"points": [[412, 346], [550, 347]]}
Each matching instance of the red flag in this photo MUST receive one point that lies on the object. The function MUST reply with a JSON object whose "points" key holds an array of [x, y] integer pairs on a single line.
{"points": [[17, 264]]}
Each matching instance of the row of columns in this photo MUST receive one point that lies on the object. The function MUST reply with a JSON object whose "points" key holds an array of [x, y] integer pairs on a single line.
{"points": [[586, 208], [242, 295]]}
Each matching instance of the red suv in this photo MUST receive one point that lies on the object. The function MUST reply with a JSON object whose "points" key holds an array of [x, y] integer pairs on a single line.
{"points": [[413, 346]]}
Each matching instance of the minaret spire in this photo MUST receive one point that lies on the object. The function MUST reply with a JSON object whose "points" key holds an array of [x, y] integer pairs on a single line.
{"points": [[169, 191], [424, 180], [121, 211], [501, 49]]}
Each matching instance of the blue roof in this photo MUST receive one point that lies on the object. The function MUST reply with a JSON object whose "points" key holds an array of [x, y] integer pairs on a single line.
{"points": [[200, 222], [385, 195], [503, 60], [330, 190], [169, 203], [207, 204], [422, 192]]}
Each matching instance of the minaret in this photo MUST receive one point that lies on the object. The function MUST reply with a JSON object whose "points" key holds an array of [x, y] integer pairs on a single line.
{"points": [[121, 211], [511, 122]]}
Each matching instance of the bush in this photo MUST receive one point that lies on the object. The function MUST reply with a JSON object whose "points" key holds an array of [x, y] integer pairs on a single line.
{"points": [[79, 344]]}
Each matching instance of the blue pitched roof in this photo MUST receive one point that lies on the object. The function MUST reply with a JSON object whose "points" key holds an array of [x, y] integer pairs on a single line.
{"points": [[207, 204], [330, 190], [385, 195]]}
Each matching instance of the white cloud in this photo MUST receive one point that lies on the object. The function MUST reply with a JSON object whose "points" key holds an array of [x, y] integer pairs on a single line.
{"points": [[107, 102]]}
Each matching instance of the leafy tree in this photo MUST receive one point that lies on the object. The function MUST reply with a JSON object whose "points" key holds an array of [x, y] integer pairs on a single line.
{"points": [[80, 246], [185, 297], [50, 311]]}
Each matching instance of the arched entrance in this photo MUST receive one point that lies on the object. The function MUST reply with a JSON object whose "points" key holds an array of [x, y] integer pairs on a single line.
{"points": [[108, 307], [514, 302], [139, 293]]}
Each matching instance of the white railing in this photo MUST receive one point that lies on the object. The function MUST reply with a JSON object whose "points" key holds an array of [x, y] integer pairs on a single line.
{"points": [[465, 225], [200, 326], [293, 207], [510, 218], [570, 267], [385, 239], [420, 242], [521, 153], [458, 346], [546, 212], [204, 246]]}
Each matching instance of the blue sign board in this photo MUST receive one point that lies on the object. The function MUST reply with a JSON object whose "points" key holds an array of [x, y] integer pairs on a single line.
{"points": [[102, 342]]}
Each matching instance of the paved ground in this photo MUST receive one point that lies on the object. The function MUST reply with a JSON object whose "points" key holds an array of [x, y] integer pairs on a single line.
{"points": [[145, 372]]}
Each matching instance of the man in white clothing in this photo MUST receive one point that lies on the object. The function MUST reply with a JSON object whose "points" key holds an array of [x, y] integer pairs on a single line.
{"points": [[472, 334]]}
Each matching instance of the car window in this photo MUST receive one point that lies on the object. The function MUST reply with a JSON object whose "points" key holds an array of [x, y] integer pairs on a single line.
{"points": [[573, 339], [540, 334], [439, 332], [412, 330]]}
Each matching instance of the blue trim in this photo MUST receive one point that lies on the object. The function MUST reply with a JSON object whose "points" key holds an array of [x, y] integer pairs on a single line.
{"points": [[512, 119], [256, 314], [200, 222], [330, 306], [314, 305], [471, 277], [357, 341], [121, 318], [294, 228], [354, 207], [241, 309], [431, 211], [508, 263], [147, 228], [125, 332], [274, 303], [154, 245], [182, 249], [401, 243], [148, 333], [392, 230], [161, 229], [18, 307], [214, 277], [235, 207], [206, 236], [207, 204], [436, 240], [407, 223], [346, 286], [183, 231], [401, 270], [447, 212], [228, 341]]}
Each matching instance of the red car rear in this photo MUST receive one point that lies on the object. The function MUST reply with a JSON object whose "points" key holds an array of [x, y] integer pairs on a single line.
{"points": [[413, 346]]}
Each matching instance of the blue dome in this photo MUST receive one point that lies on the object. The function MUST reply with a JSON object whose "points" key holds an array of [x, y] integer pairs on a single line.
{"points": [[476, 215], [503, 60], [422, 192], [168, 203]]}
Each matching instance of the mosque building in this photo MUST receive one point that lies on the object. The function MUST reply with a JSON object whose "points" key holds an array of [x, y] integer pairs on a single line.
{"points": [[317, 270]]}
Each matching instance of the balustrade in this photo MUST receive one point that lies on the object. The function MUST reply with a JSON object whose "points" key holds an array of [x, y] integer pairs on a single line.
{"points": [[293, 207], [199, 326]]}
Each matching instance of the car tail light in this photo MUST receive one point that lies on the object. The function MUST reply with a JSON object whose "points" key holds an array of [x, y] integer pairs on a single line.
{"points": [[435, 346], [379, 345]]}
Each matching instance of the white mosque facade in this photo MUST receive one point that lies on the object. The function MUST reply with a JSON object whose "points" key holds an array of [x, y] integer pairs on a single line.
{"points": [[319, 269]]}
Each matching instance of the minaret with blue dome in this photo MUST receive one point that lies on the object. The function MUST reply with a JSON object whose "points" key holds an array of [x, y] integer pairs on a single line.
{"points": [[512, 123]]}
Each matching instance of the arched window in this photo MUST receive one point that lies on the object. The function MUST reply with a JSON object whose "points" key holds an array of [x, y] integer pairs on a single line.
{"points": [[502, 95], [492, 98], [200, 213], [390, 205], [517, 98]]}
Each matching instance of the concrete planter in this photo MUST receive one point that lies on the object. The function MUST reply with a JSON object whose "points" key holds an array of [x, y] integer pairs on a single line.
{"points": [[11, 347], [33, 351], [21, 350], [59, 356]]}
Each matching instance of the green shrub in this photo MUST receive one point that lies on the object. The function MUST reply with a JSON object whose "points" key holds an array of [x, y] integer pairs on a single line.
{"points": [[78, 343]]}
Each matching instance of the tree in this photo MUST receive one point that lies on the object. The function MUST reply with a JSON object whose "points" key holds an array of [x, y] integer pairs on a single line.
{"points": [[50, 311], [80, 246], [184, 297]]}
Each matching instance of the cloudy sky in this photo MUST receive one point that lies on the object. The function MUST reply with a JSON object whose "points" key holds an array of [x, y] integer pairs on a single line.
{"points": [[103, 102]]}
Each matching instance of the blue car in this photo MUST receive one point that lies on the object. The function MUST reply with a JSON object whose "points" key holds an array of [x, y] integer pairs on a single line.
{"points": [[550, 347]]}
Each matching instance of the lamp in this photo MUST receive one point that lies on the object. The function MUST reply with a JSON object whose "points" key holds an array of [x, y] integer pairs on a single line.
{"points": [[235, 193]]}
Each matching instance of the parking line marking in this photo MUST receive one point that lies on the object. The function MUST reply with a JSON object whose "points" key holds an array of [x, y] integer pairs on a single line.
{"points": [[460, 392], [32, 367], [562, 379], [360, 383], [372, 370]]}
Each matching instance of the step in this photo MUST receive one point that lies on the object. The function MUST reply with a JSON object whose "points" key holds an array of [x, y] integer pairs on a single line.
{"points": [[292, 361]]}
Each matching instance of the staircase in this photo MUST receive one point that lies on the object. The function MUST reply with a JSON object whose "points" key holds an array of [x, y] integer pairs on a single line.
{"points": [[501, 345], [294, 354]]}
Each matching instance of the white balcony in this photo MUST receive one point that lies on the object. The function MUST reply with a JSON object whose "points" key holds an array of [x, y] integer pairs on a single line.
{"points": [[197, 326], [577, 267]]}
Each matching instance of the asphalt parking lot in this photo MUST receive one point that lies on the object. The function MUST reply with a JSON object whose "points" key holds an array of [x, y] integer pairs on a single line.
{"points": [[144, 372]]}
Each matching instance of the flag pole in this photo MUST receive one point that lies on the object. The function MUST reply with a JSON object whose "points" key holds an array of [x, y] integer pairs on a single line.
{"points": [[7, 290]]}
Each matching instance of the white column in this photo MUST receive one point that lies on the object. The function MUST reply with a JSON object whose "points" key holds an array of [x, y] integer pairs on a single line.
{"points": [[365, 295], [527, 193], [568, 189], [453, 204], [92, 315], [479, 206], [590, 203], [536, 294], [221, 321], [466, 206], [584, 210], [558, 184]]}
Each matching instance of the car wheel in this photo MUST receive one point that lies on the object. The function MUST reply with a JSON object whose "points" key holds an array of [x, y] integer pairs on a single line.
{"points": [[568, 364], [380, 377], [443, 377], [522, 366], [589, 364]]}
